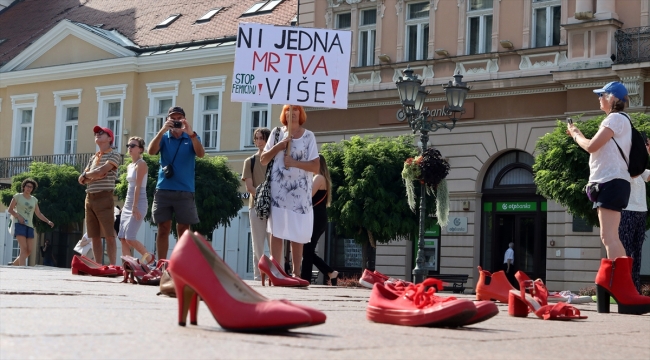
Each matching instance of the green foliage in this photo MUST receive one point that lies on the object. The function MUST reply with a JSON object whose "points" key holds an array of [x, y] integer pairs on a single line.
{"points": [[369, 194], [60, 196], [562, 168], [217, 197]]}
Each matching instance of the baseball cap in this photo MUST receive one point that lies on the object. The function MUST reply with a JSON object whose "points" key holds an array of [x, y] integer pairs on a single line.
{"points": [[176, 110], [108, 131], [615, 88]]}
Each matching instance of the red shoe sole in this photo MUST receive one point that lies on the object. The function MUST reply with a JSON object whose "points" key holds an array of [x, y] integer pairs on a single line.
{"points": [[484, 311]]}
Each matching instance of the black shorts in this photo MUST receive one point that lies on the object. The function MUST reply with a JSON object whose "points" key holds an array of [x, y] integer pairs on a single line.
{"points": [[613, 195]]}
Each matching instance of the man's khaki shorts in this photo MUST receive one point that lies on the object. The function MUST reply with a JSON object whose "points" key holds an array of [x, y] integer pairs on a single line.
{"points": [[100, 214]]}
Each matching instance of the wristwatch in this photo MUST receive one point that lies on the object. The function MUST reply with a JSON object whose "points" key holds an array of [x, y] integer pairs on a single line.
{"points": [[193, 135]]}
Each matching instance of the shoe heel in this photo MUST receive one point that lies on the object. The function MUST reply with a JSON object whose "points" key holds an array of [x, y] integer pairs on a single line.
{"points": [[194, 308], [602, 299], [263, 278], [516, 306], [187, 301], [75, 271]]}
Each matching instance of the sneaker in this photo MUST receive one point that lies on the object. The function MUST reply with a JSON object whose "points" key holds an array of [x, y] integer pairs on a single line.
{"points": [[369, 278], [418, 306]]}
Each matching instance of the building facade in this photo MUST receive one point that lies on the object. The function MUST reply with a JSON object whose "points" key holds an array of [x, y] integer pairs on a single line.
{"points": [[122, 65], [529, 63]]}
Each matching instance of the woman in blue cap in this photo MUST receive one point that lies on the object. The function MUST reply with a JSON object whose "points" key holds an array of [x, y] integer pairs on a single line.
{"points": [[609, 189]]}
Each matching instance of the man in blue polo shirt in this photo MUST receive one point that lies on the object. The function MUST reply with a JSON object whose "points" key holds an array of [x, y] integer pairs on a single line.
{"points": [[178, 146]]}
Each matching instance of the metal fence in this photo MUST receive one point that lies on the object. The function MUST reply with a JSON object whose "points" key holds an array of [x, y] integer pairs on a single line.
{"points": [[12, 166], [632, 45]]}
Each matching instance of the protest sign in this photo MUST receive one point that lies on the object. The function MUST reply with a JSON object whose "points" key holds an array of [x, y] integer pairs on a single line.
{"points": [[291, 65]]}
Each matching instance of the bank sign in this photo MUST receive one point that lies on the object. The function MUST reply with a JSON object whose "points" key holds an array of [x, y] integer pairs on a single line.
{"points": [[457, 225], [291, 65], [517, 206]]}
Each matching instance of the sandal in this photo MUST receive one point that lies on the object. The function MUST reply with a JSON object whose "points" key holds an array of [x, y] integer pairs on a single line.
{"points": [[154, 276], [521, 303]]}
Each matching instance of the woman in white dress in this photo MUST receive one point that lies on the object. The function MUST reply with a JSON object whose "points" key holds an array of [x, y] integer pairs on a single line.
{"points": [[291, 215], [136, 204]]}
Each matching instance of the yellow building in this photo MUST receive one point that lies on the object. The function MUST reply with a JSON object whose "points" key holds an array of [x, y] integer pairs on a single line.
{"points": [[66, 67]]}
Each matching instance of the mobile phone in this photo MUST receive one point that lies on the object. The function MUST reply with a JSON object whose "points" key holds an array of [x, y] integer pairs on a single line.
{"points": [[569, 120]]}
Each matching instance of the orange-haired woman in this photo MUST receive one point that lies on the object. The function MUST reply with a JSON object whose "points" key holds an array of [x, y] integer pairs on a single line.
{"points": [[291, 215]]}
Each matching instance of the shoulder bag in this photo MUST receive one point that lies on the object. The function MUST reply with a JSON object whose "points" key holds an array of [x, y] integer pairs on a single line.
{"points": [[263, 190]]}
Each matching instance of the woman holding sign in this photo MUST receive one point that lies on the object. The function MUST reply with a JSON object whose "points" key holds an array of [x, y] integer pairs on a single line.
{"points": [[295, 161]]}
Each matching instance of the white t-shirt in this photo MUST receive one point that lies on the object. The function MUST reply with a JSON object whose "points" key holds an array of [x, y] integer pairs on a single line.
{"points": [[510, 254], [637, 193], [607, 163]]}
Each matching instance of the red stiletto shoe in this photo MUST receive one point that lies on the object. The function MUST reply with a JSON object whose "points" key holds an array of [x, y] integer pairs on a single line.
{"points": [[199, 272], [277, 266], [276, 277], [132, 269], [91, 261], [418, 306], [82, 266], [154, 276], [493, 286], [520, 302]]}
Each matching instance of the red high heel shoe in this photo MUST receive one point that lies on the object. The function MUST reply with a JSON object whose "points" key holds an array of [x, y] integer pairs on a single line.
{"points": [[276, 277], [84, 266], [614, 278], [277, 266], [91, 261], [493, 286], [535, 301], [418, 307], [199, 272], [133, 269]]}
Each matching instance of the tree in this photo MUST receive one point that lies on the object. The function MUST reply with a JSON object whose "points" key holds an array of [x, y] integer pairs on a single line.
{"points": [[369, 198], [562, 168], [217, 197], [60, 196]]}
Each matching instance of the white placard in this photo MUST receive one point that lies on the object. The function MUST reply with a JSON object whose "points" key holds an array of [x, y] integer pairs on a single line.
{"points": [[291, 65], [457, 225]]}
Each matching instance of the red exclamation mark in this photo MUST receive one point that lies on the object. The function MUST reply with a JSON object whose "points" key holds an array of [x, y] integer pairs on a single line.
{"points": [[335, 86], [260, 87]]}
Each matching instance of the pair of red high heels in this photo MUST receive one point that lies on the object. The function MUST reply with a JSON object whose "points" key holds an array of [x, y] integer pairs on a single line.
{"points": [[136, 272], [199, 272], [82, 265], [402, 303], [269, 267], [532, 297]]}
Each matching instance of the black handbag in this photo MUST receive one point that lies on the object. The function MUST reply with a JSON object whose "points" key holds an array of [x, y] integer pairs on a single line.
{"points": [[263, 190]]}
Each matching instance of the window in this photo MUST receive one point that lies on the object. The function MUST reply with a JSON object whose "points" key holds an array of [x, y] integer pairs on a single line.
{"points": [[209, 15], [113, 117], [210, 116], [546, 23], [417, 31], [479, 27], [581, 225], [367, 34], [168, 21], [261, 7], [111, 103], [162, 96], [71, 123], [26, 132], [258, 116], [155, 122], [343, 21]]}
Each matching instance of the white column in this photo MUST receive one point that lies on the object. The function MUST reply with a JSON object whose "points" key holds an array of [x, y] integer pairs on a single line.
{"points": [[606, 9]]}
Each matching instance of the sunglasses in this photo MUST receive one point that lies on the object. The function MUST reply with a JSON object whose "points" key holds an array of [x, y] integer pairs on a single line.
{"points": [[601, 94], [100, 132], [132, 145]]}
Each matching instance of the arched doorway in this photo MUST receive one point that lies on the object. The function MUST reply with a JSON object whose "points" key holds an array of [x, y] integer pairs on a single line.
{"points": [[513, 212]]}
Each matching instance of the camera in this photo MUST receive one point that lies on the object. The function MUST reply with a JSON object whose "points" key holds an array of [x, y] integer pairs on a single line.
{"points": [[168, 171], [178, 124]]}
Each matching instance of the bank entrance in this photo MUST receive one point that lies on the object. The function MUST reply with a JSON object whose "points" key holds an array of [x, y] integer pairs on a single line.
{"points": [[512, 212]]}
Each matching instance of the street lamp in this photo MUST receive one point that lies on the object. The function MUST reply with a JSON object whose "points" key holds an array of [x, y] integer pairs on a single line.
{"points": [[412, 95]]}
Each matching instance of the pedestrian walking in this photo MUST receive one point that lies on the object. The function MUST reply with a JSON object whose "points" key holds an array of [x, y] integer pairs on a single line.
{"points": [[509, 264]]}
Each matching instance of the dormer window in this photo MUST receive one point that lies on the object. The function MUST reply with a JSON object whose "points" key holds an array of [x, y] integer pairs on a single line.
{"points": [[209, 15], [262, 7], [168, 21]]}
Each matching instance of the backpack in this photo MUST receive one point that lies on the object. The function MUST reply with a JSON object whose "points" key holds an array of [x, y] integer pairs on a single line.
{"points": [[638, 152]]}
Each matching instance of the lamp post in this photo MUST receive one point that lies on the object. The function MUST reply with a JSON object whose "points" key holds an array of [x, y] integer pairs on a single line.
{"points": [[412, 95]]}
